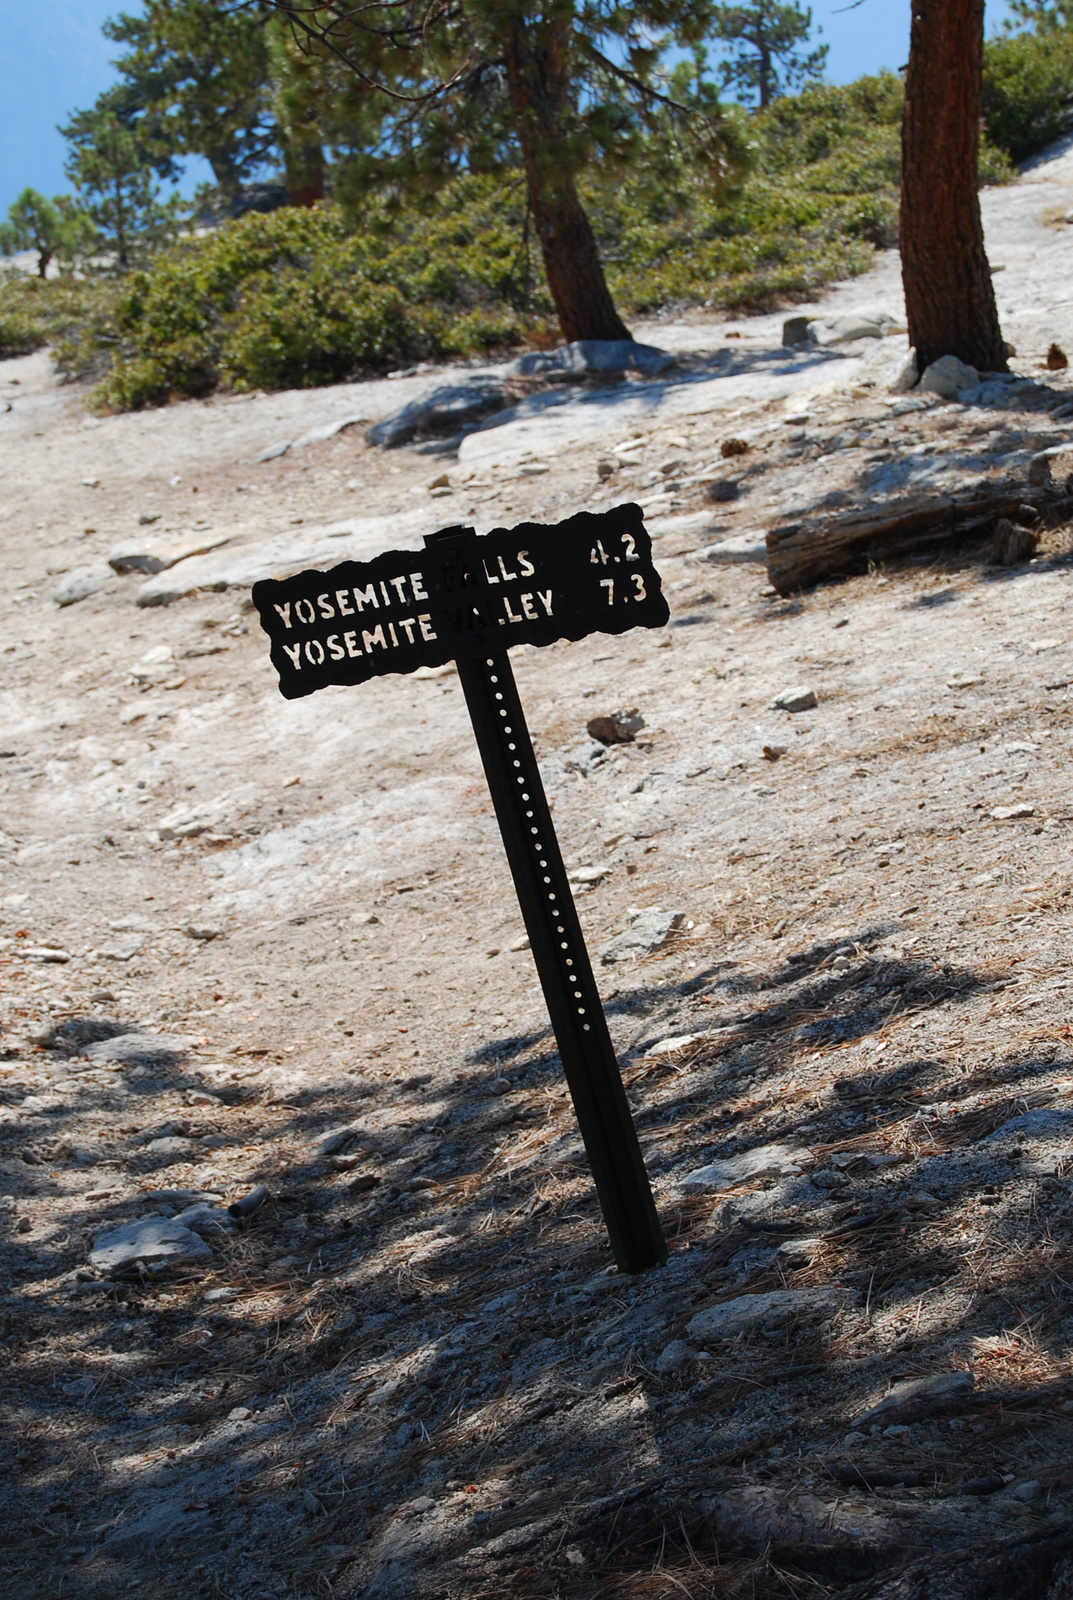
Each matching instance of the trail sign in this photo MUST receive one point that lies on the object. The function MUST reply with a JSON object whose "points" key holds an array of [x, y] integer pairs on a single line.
{"points": [[468, 599], [465, 598]]}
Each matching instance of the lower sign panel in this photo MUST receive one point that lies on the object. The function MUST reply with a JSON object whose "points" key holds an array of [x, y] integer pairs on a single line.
{"points": [[467, 598]]}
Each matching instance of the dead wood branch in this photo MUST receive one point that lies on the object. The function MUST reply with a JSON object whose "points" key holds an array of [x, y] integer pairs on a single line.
{"points": [[825, 547]]}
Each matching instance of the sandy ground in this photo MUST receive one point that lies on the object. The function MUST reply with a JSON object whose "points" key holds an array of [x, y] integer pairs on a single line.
{"points": [[411, 1372]]}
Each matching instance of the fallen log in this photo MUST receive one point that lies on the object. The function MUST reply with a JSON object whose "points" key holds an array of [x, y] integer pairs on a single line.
{"points": [[1037, 1568], [800, 553]]}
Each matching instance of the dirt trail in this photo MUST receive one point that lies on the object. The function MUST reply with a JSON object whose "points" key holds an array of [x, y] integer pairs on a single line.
{"points": [[410, 1372]]}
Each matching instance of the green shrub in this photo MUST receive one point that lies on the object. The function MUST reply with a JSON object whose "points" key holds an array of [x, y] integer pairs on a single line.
{"points": [[1028, 90], [292, 300], [36, 312]]}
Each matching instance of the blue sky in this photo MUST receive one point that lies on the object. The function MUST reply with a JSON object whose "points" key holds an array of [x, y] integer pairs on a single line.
{"points": [[57, 59]]}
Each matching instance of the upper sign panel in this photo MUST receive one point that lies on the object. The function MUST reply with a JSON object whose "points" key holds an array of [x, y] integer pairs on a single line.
{"points": [[464, 596]]}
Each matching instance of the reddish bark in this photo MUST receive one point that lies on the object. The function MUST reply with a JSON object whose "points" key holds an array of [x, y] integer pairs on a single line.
{"points": [[539, 90], [949, 298]]}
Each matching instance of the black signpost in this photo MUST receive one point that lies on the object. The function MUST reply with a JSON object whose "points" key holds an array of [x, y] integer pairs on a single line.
{"points": [[468, 599]]}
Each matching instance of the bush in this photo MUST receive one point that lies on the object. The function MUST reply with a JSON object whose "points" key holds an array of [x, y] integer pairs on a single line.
{"points": [[1028, 91], [36, 312], [291, 300]]}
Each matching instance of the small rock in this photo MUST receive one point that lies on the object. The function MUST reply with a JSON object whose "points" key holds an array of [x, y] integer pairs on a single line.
{"points": [[272, 451], [782, 1160], [165, 1152], [220, 1293], [1032, 1489], [586, 757], [846, 329], [595, 874], [800, 699], [1039, 1124], [1056, 358], [905, 378], [674, 1356], [595, 356], [678, 1041], [734, 447], [237, 1413], [1051, 468], [446, 410], [328, 430], [722, 490], [731, 1317], [363, 1182], [46, 954], [618, 727], [648, 931], [795, 331], [798, 1252], [140, 1049], [947, 376], [156, 1240], [79, 584], [1010, 813], [740, 548], [922, 1397], [329, 1144], [202, 932], [122, 949]]}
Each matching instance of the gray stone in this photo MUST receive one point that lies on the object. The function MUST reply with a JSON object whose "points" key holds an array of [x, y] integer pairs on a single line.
{"points": [[800, 699], [123, 949], [648, 930], [1040, 1124], [1051, 469], [906, 376], [204, 1217], [617, 727], [742, 547], [167, 1151], [154, 1241], [586, 756], [844, 330], [443, 412], [586, 356], [780, 1159], [328, 430], [273, 451], [137, 557], [921, 1397], [151, 559], [795, 331], [947, 376], [140, 1049], [674, 1356], [79, 584], [731, 1317]]}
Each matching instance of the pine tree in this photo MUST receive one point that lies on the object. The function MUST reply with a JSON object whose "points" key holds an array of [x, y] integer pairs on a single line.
{"points": [[113, 175], [195, 81], [553, 86], [763, 39]]}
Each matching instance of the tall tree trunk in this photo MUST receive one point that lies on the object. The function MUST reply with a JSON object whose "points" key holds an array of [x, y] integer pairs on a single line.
{"points": [[949, 297], [303, 164], [539, 86]]}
